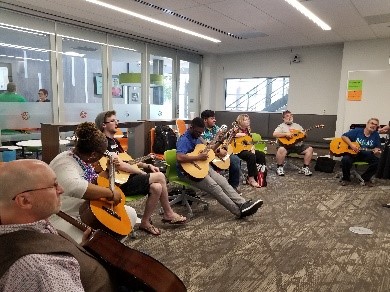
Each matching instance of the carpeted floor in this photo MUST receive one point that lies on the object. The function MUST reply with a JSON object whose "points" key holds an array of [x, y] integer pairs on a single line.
{"points": [[298, 241]]}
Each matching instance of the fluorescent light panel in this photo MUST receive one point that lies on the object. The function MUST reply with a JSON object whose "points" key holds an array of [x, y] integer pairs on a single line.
{"points": [[302, 9], [152, 20]]}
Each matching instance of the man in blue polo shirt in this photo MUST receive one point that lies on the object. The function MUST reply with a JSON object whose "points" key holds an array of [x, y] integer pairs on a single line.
{"points": [[369, 143], [214, 183]]}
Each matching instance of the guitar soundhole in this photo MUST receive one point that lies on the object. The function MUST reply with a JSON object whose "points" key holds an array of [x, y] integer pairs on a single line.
{"points": [[112, 213]]}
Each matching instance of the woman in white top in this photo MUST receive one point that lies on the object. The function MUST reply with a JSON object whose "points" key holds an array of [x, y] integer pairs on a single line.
{"points": [[76, 174]]}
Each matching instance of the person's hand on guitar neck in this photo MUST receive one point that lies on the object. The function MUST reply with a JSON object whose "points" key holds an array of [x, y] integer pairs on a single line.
{"points": [[221, 152]]}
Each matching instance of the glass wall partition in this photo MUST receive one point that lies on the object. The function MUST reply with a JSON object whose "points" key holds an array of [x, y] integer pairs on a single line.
{"points": [[24, 61], [161, 87], [188, 101], [126, 83], [83, 80]]}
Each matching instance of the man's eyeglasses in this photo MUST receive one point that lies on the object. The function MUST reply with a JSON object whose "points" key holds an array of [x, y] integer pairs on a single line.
{"points": [[39, 189], [112, 121]]}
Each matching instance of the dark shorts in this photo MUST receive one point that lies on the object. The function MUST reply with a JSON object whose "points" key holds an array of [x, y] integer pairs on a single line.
{"points": [[137, 184], [296, 149]]}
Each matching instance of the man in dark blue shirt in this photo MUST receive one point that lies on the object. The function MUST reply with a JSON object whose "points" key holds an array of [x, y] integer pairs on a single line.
{"points": [[214, 183], [369, 143]]}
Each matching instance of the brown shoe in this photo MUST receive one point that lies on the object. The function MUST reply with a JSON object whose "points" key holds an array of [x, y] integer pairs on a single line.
{"points": [[368, 184]]}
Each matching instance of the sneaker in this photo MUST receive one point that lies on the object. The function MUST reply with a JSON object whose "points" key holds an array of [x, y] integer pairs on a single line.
{"points": [[280, 171], [250, 207], [344, 183], [306, 171]]}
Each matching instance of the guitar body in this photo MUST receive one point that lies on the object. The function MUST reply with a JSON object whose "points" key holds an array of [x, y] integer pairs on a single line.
{"points": [[296, 137], [339, 148], [130, 269], [101, 214], [242, 143], [198, 169], [223, 163], [121, 176]]}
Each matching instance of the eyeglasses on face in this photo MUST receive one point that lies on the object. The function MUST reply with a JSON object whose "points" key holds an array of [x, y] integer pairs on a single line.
{"points": [[112, 121], [56, 185]]}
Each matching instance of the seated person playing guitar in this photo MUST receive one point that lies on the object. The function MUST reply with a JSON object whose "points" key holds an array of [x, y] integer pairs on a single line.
{"points": [[285, 130], [213, 183], [139, 182], [211, 130], [367, 138], [75, 172], [33, 254], [248, 153]]}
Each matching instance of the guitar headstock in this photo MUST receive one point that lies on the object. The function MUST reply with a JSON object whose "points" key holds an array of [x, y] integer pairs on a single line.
{"points": [[320, 126]]}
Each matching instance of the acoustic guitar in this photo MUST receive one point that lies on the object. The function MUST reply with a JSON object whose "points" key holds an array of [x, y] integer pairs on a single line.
{"points": [[131, 270], [246, 143], [199, 169], [103, 214], [224, 162], [297, 136], [339, 148], [121, 176]]}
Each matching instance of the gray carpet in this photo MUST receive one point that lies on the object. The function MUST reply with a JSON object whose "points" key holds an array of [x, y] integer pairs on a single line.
{"points": [[298, 241]]}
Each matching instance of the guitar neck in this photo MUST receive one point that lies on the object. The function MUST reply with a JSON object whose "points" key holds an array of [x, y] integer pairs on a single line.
{"points": [[76, 223], [134, 161]]}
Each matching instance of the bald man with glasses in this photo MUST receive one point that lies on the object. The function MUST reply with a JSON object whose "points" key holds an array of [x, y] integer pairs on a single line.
{"points": [[34, 256]]}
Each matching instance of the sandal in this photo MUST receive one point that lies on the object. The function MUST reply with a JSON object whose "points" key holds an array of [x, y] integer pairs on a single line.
{"points": [[153, 230], [253, 183], [178, 219]]}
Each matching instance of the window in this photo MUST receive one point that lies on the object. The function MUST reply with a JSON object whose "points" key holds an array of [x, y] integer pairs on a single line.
{"points": [[257, 94]]}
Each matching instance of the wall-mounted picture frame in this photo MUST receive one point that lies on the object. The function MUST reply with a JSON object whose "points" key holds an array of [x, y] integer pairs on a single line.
{"points": [[116, 88]]}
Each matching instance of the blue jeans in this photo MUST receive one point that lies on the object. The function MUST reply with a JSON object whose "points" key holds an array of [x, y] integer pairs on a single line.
{"points": [[234, 171]]}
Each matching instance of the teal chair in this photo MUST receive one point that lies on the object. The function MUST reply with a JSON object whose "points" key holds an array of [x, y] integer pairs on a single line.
{"points": [[173, 178]]}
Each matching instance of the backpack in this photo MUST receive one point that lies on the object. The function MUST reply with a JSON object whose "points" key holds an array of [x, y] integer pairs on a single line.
{"points": [[262, 175], [325, 164], [165, 139]]}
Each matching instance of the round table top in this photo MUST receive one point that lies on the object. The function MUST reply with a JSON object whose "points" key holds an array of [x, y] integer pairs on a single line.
{"points": [[10, 147], [37, 143]]}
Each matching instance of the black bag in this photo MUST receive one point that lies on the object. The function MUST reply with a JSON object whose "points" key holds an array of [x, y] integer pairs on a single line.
{"points": [[325, 164], [165, 139]]}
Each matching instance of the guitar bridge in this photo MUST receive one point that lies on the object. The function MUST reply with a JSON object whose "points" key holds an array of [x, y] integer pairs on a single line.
{"points": [[112, 213]]}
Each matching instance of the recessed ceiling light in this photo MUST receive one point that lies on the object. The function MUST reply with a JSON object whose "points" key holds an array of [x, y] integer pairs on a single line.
{"points": [[302, 9], [152, 20]]}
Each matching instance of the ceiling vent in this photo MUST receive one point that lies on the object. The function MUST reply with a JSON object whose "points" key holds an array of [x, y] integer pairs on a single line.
{"points": [[251, 35]]}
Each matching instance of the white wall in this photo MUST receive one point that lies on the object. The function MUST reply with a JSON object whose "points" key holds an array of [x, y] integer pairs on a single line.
{"points": [[314, 83], [317, 85], [358, 56]]}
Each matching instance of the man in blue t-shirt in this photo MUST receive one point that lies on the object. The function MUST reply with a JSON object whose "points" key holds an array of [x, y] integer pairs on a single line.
{"points": [[369, 143], [214, 183]]}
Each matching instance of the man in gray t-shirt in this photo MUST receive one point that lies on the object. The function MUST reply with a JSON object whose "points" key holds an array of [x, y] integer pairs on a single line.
{"points": [[284, 131]]}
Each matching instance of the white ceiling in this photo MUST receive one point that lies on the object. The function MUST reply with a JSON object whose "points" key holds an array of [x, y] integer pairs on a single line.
{"points": [[280, 24]]}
